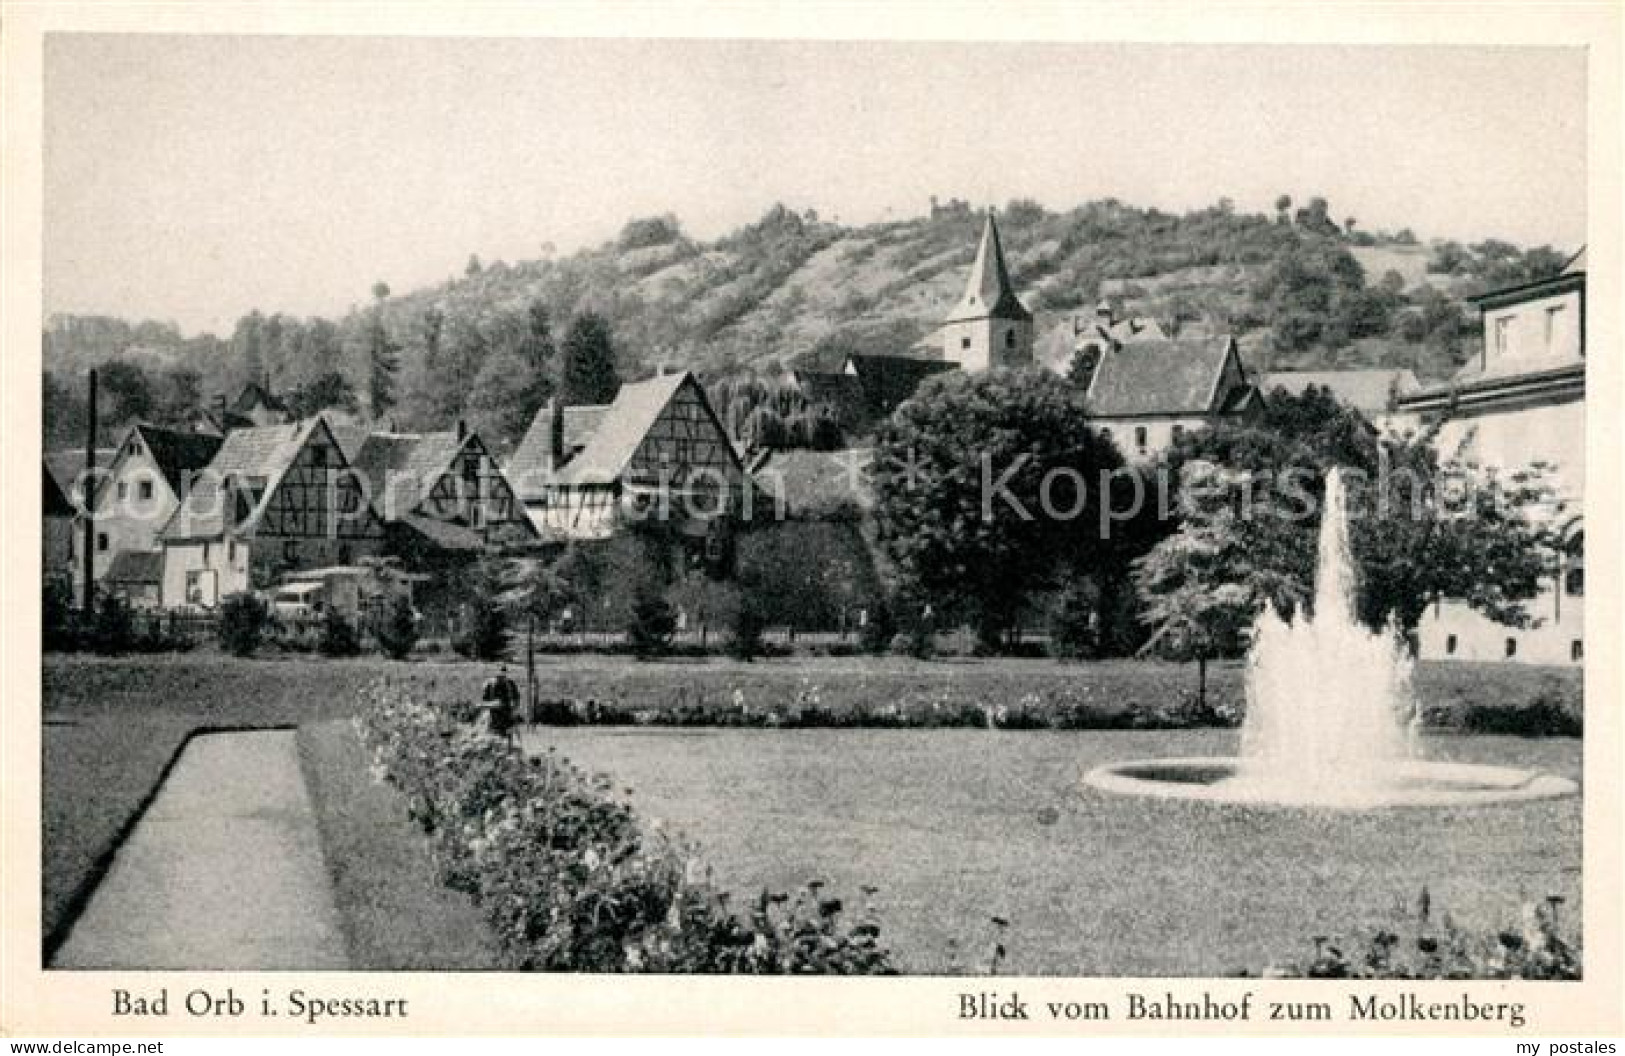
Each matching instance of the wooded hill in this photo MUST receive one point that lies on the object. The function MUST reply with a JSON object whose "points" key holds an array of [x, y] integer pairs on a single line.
{"points": [[1298, 288]]}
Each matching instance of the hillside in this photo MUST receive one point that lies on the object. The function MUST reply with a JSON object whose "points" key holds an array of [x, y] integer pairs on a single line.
{"points": [[791, 289]]}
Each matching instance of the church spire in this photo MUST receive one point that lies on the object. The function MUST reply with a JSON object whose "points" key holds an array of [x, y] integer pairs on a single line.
{"points": [[989, 293]]}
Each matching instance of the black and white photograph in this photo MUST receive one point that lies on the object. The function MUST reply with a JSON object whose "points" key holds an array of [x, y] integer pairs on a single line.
{"points": [[969, 508]]}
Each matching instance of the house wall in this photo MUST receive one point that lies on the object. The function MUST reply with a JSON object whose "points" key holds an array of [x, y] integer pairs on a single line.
{"points": [[128, 522], [1510, 438], [1542, 330], [574, 513], [981, 344], [1159, 434], [225, 568], [1452, 631]]}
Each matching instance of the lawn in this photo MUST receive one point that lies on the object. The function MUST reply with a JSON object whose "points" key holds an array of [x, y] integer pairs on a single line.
{"points": [[957, 826], [113, 726]]}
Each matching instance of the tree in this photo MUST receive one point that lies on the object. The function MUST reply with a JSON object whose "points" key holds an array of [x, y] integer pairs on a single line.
{"points": [[398, 632], [482, 629], [990, 486], [127, 390], [181, 394], [248, 347], [339, 637], [588, 376], [1283, 204], [330, 391], [383, 358], [652, 624], [243, 622], [473, 267]]}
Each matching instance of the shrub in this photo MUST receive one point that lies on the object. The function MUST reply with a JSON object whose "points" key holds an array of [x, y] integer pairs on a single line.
{"points": [[1418, 947], [745, 636], [482, 632], [570, 879], [876, 634], [397, 633], [113, 631], [1072, 627], [244, 619], [338, 637], [59, 626], [652, 624]]}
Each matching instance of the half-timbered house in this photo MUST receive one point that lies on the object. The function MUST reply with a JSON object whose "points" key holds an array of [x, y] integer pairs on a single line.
{"points": [[273, 500], [444, 502], [659, 453]]}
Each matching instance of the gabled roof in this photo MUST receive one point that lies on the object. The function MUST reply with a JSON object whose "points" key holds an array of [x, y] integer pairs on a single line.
{"points": [[136, 566], [255, 395], [1162, 378], [261, 455], [1372, 391], [1064, 340], [178, 455], [530, 467], [813, 482], [1576, 264], [989, 293], [67, 465], [54, 502], [401, 468], [623, 427]]}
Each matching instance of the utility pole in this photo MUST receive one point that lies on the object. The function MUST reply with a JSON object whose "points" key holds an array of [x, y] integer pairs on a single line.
{"points": [[87, 496]]}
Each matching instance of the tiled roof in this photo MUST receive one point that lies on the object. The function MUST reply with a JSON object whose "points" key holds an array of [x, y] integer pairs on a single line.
{"points": [[54, 502], [1160, 377], [811, 482], [401, 468], [1063, 340], [136, 566], [530, 467], [261, 455], [622, 428], [444, 534], [66, 466], [889, 380], [178, 455], [1365, 390]]}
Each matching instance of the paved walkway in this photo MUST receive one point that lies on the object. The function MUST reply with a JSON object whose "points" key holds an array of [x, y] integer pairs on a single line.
{"points": [[224, 871]]}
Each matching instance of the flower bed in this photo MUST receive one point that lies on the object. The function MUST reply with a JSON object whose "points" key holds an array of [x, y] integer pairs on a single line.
{"points": [[570, 879]]}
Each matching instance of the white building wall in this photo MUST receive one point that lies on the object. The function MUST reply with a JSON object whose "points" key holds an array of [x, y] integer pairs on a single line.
{"points": [[1145, 439]]}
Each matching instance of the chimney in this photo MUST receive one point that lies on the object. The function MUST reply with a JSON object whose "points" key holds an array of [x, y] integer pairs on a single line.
{"points": [[462, 430], [555, 432], [1103, 313]]}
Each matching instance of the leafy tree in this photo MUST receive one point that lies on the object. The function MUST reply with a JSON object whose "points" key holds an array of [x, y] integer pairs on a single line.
{"points": [[650, 231], [330, 391], [473, 267], [243, 623], [1072, 625], [64, 410], [339, 637], [398, 632], [248, 347], [652, 624], [588, 376], [482, 630], [127, 390], [988, 486], [383, 358]]}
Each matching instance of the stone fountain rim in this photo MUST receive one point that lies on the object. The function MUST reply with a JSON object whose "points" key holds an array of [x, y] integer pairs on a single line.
{"points": [[1451, 785]]}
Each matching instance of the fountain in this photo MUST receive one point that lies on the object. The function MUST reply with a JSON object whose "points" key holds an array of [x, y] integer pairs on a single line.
{"points": [[1331, 719]]}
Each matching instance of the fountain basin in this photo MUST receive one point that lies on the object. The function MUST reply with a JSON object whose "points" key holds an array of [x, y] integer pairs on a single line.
{"points": [[1411, 783]]}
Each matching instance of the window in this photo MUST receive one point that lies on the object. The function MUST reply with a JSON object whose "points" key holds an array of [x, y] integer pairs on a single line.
{"points": [[1450, 645], [1574, 582], [123, 490], [964, 342], [1178, 431], [1503, 334], [231, 551], [346, 555], [318, 456], [101, 542], [290, 551], [144, 490], [1552, 317], [1010, 339], [1105, 434], [1577, 651], [1511, 648], [1139, 437]]}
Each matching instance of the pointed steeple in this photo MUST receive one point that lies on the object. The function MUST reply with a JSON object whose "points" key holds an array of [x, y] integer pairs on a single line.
{"points": [[989, 294]]}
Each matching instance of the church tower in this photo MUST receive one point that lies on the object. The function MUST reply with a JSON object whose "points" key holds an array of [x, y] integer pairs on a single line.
{"points": [[989, 327]]}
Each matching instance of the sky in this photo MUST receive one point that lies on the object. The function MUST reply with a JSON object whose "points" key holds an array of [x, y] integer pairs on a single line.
{"points": [[194, 178]]}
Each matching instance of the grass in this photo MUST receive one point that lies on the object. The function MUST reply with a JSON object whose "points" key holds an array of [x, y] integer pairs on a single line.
{"points": [[113, 726], [957, 826], [395, 913]]}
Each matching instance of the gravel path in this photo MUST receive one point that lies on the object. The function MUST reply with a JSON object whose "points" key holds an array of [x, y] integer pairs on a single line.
{"points": [[224, 871]]}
